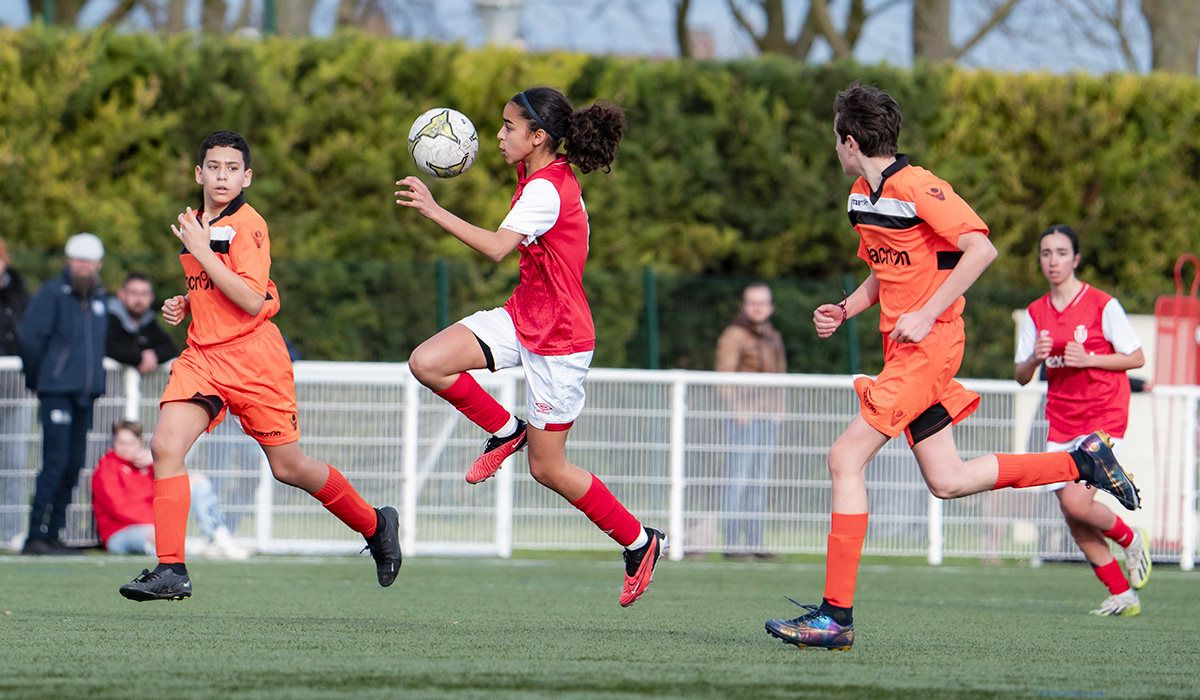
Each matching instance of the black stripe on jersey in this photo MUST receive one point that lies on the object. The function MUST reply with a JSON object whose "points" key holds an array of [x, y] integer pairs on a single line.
{"points": [[217, 247], [948, 259], [895, 223]]}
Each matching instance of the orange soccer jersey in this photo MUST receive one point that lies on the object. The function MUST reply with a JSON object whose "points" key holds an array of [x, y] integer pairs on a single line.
{"points": [[233, 359], [909, 233]]}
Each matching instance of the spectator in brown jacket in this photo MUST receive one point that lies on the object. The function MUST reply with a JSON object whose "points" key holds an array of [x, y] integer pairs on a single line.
{"points": [[750, 344]]}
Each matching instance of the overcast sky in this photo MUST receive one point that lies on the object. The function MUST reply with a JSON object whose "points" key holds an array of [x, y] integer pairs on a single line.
{"points": [[1040, 35]]}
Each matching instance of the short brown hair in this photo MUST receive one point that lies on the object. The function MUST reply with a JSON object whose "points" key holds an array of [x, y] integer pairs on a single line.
{"points": [[871, 116], [130, 425]]}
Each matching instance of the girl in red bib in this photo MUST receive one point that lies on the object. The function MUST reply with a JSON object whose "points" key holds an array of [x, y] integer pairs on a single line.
{"points": [[1085, 340], [546, 326]]}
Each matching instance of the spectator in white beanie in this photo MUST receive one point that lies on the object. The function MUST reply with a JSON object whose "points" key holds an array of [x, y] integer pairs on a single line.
{"points": [[62, 341]]}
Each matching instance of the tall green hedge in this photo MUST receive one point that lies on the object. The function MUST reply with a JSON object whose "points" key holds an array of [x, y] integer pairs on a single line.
{"points": [[727, 170]]}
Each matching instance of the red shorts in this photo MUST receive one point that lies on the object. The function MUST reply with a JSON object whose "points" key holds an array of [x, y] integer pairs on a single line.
{"points": [[251, 375], [916, 392]]}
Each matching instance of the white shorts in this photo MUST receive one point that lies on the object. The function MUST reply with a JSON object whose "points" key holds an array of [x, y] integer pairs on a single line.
{"points": [[554, 394], [1070, 445]]}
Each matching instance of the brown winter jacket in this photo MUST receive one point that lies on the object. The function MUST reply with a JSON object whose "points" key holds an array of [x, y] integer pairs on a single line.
{"points": [[745, 346]]}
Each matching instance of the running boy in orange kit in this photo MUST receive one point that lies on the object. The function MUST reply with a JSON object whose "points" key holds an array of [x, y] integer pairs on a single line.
{"points": [[925, 247], [236, 361]]}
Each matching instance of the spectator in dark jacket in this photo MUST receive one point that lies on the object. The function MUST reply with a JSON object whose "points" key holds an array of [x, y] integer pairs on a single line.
{"points": [[16, 417], [14, 298], [134, 336], [62, 348]]}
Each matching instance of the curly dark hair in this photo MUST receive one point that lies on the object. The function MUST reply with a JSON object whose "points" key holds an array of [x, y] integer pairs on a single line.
{"points": [[871, 116], [590, 136]]}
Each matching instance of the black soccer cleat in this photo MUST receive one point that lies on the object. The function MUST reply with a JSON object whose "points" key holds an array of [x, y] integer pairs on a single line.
{"points": [[160, 584], [385, 545], [1107, 473]]}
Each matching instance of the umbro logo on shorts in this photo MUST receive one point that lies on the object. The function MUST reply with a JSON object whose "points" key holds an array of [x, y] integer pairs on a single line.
{"points": [[543, 407]]}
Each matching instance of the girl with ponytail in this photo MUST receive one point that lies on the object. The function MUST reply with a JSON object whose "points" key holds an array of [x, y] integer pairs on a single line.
{"points": [[546, 326]]}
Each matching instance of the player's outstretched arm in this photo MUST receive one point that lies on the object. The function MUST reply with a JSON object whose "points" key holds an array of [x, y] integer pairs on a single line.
{"points": [[494, 244], [194, 233]]}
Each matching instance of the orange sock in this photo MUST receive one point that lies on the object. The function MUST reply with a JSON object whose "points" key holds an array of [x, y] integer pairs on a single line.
{"points": [[846, 535], [340, 498], [1019, 471], [172, 501]]}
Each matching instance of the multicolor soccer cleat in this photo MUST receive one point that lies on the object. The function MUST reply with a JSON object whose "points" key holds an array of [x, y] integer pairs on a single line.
{"points": [[639, 566], [812, 629], [1137, 559], [1126, 603], [160, 584], [1107, 473], [495, 451]]}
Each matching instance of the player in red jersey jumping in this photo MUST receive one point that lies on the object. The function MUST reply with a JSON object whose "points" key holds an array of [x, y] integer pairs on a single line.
{"points": [[546, 326], [925, 247], [1086, 342]]}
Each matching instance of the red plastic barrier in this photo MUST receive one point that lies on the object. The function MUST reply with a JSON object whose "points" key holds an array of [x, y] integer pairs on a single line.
{"points": [[1177, 359]]}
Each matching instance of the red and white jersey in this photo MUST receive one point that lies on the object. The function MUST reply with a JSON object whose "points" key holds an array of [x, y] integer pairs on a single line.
{"points": [[1080, 401], [549, 307]]}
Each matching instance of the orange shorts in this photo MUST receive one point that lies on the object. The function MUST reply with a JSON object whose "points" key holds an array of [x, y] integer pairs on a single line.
{"points": [[916, 392], [251, 375]]}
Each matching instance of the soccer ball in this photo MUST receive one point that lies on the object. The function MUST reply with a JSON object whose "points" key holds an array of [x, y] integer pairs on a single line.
{"points": [[443, 142]]}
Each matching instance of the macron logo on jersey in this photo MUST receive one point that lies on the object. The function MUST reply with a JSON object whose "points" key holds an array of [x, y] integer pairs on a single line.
{"points": [[884, 255]]}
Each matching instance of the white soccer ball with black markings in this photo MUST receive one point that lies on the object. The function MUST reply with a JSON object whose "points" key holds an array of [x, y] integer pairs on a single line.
{"points": [[443, 142]]}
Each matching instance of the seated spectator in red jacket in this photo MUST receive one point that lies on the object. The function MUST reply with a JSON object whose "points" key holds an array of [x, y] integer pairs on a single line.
{"points": [[123, 500]]}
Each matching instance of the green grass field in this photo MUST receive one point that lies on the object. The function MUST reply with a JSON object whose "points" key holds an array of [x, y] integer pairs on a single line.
{"points": [[548, 626]]}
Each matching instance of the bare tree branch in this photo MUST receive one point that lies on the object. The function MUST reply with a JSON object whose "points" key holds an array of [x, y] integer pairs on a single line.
{"points": [[820, 9], [999, 15], [682, 35]]}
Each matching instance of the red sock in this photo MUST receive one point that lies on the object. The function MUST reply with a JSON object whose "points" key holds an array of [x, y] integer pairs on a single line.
{"points": [[472, 401], [340, 498], [1110, 575], [1019, 471], [172, 501], [846, 535], [610, 516], [1120, 533]]}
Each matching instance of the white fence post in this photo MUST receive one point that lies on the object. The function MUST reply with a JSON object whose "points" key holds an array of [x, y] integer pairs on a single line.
{"points": [[675, 465], [409, 435], [1187, 540], [505, 486], [936, 536], [133, 393]]}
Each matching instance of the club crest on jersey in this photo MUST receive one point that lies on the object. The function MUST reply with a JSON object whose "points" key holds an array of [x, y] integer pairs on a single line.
{"points": [[1081, 334], [258, 238], [936, 194]]}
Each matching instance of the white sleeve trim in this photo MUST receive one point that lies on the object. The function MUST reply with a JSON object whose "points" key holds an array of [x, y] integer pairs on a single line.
{"points": [[535, 212], [1117, 328], [1026, 339]]}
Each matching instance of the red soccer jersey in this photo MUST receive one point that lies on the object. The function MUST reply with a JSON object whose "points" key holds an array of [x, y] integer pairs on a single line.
{"points": [[122, 495], [239, 238], [909, 233], [1080, 401], [549, 307]]}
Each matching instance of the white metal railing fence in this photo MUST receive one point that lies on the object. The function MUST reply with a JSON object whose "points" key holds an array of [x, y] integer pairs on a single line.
{"points": [[665, 442]]}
